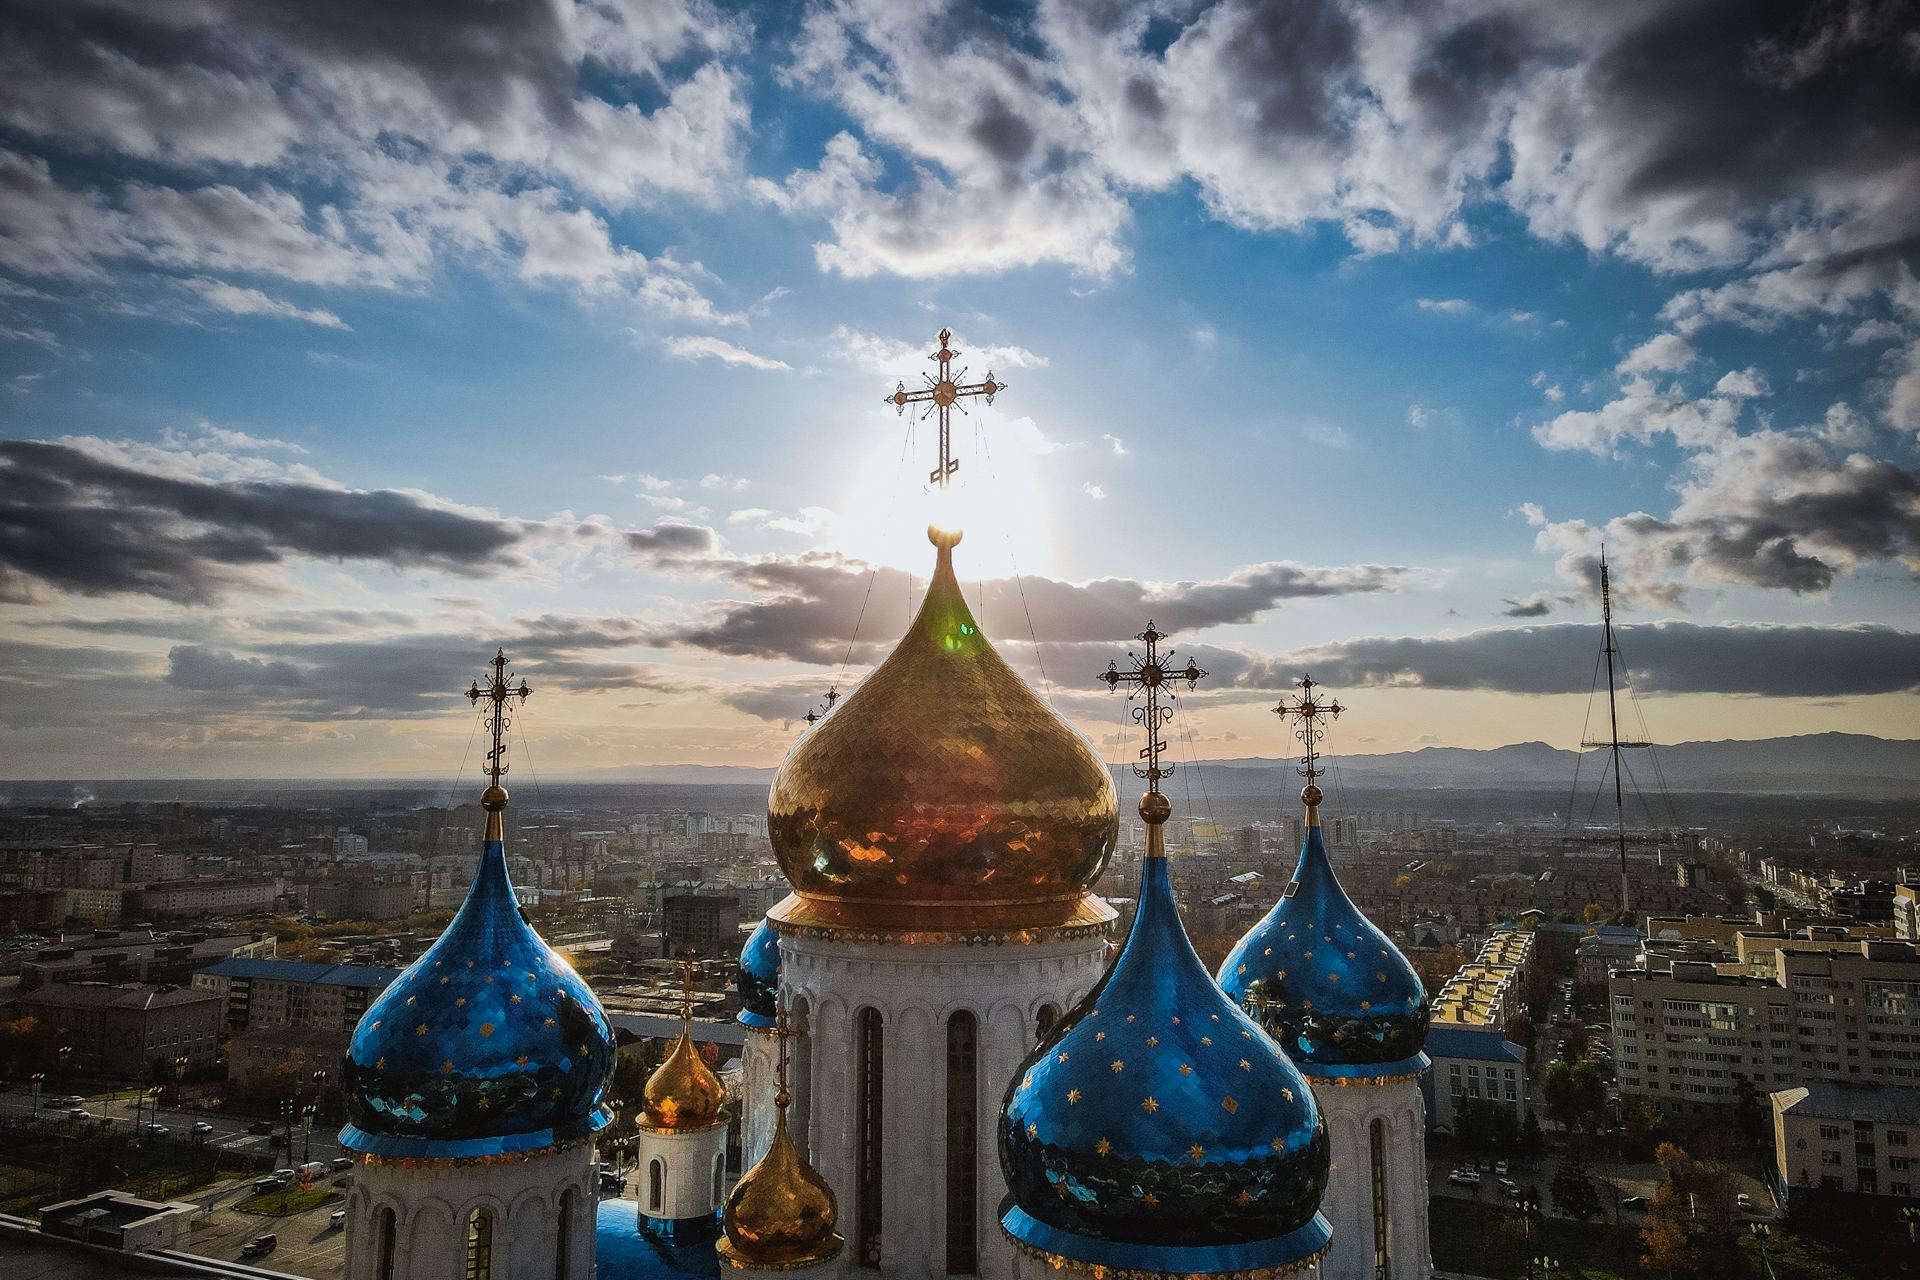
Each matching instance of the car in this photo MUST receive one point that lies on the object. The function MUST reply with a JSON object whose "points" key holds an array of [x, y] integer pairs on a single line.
{"points": [[1464, 1178], [260, 1244], [1634, 1202], [260, 1126], [342, 1163], [158, 1130], [201, 1126], [1509, 1189], [285, 1175], [1744, 1200], [611, 1181], [265, 1186], [71, 1100], [79, 1113], [1486, 1166], [338, 1218], [1500, 1167], [276, 1139]]}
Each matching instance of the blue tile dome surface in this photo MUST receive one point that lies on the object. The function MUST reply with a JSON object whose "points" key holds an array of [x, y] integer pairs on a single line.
{"points": [[1157, 1128], [489, 1043], [1326, 983], [759, 978]]}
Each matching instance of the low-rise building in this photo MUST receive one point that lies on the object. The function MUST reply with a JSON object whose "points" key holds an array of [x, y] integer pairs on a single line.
{"points": [[121, 1221], [1846, 1137], [270, 993], [180, 898], [361, 899], [1470, 1064], [290, 1053], [135, 956], [121, 1030]]}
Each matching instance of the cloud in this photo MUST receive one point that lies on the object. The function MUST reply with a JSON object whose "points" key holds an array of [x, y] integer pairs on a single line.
{"points": [[1118, 447], [695, 348], [1447, 306], [95, 525], [194, 667], [357, 150], [1677, 137], [801, 608], [732, 484], [1094, 491], [251, 302], [1537, 605], [900, 358], [1664, 353], [1662, 657]]}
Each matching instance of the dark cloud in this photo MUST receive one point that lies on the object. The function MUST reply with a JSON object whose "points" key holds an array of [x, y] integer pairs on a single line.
{"points": [[806, 608], [1662, 657], [79, 523], [190, 666], [1537, 605]]}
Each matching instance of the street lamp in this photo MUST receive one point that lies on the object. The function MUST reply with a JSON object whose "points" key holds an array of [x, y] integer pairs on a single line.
{"points": [[1760, 1232], [618, 1144], [37, 1080], [1528, 1206]]}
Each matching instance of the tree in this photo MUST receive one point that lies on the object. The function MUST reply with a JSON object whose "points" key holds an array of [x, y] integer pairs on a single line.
{"points": [[1671, 1247], [1642, 1127], [1749, 1115], [1575, 1093], [1532, 1141], [1573, 1191]]}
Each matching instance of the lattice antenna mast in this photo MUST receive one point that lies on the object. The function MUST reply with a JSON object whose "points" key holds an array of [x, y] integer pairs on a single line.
{"points": [[1613, 742], [942, 395], [1149, 675], [497, 691]]}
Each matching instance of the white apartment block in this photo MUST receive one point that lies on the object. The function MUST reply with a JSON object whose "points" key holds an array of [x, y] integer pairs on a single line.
{"points": [[1848, 1137]]}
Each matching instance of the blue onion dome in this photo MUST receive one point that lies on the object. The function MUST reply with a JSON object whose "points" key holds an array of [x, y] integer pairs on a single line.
{"points": [[1157, 1129], [488, 1044], [759, 978], [1325, 982]]}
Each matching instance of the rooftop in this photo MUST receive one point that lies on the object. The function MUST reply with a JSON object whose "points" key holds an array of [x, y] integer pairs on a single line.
{"points": [[347, 975], [100, 995], [1851, 1102]]}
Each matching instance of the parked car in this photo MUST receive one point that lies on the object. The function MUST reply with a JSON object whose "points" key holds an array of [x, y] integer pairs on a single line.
{"points": [[1744, 1200], [1464, 1178], [314, 1169], [265, 1186], [338, 1218], [201, 1126], [79, 1113], [260, 1126], [158, 1130], [1634, 1202], [285, 1175], [1509, 1189], [341, 1164], [612, 1182], [259, 1245], [1500, 1167]]}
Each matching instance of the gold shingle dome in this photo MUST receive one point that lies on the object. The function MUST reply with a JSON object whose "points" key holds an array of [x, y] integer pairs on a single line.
{"points": [[942, 795], [781, 1215], [684, 1094]]}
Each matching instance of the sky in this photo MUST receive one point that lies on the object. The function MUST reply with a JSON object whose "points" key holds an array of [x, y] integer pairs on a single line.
{"points": [[343, 344]]}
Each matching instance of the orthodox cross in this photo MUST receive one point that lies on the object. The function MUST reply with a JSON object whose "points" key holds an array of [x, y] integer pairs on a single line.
{"points": [[686, 989], [942, 394], [496, 692], [783, 1031], [833, 696], [1306, 715], [1149, 675]]}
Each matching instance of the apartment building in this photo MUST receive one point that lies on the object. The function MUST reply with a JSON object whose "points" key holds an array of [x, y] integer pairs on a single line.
{"points": [[1846, 1137], [197, 897], [1488, 990], [1686, 1036], [270, 993], [120, 1030], [1473, 1063]]}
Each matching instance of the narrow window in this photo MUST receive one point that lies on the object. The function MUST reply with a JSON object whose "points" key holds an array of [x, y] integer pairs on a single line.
{"points": [[386, 1236], [656, 1185], [870, 1046], [800, 1078], [480, 1245], [1379, 1137], [963, 1130], [563, 1242], [719, 1181], [1043, 1022]]}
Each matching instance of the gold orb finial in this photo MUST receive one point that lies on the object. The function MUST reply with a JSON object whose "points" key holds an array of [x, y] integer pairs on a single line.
{"points": [[945, 539], [1155, 808], [1310, 796], [494, 798]]}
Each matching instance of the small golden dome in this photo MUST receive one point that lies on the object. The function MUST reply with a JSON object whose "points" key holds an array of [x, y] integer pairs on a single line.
{"points": [[781, 1214], [494, 798], [1155, 808], [684, 1093], [942, 794]]}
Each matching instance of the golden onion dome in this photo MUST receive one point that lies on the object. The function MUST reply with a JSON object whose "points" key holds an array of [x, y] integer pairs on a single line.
{"points": [[683, 1094], [942, 795], [781, 1214]]}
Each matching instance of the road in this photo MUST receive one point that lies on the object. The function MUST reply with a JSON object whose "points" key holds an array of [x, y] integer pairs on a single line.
{"points": [[229, 1132]]}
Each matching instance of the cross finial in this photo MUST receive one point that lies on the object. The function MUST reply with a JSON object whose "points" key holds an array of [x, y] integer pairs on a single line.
{"points": [[942, 394], [1149, 675], [686, 987], [782, 1031], [496, 692], [1306, 714], [833, 696]]}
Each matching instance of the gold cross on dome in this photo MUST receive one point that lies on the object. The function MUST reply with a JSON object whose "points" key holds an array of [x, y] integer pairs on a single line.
{"points": [[783, 1031], [496, 692], [812, 716], [942, 394], [1149, 675], [1306, 715]]}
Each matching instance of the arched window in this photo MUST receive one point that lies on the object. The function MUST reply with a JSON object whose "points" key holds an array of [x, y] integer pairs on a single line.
{"points": [[386, 1233], [719, 1180], [1043, 1022], [563, 1237], [869, 1052], [656, 1185], [1378, 1141], [963, 1143], [480, 1245]]}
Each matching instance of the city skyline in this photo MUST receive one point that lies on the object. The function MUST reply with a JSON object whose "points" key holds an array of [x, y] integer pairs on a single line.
{"points": [[341, 353]]}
